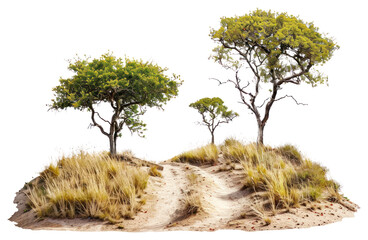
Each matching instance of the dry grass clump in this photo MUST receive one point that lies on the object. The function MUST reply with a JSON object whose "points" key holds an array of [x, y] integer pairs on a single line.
{"points": [[291, 153], [233, 150], [283, 174], [154, 172], [86, 185], [200, 156], [193, 178], [193, 203], [193, 197]]}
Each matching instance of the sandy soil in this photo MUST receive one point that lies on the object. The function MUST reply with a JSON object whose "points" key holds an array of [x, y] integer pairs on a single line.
{"points": [[224, 202]]}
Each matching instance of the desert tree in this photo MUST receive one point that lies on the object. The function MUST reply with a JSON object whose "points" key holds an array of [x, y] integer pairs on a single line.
{"points": [[214, 113], [128, 87], [272, 50]]}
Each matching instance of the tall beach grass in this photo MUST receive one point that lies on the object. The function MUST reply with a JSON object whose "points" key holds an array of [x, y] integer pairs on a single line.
{"points": [[282, 174], [88, 185], [203, 155]]}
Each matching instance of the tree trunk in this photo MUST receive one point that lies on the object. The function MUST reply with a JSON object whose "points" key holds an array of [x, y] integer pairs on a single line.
{"points": [[260, 134], [212, 138], [112, 146]]}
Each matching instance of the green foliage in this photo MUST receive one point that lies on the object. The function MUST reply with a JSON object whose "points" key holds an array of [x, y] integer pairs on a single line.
{"points": [[128, 86], [213, 112], [111, 79], [276, 48], [282, 43]]}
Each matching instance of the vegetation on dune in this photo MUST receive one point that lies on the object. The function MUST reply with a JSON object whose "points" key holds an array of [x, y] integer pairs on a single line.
{"points": [[154, 172], [283, 175], [88, 185], [204, 155], [287, 178], [193, 197], [233, 150]]}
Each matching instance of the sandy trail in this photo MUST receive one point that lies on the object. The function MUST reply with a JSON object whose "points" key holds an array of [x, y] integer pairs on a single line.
{"points": [[169, 192], [223, 200]]}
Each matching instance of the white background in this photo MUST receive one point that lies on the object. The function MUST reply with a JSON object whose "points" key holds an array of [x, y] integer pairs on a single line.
{"points": [[37, 37]]}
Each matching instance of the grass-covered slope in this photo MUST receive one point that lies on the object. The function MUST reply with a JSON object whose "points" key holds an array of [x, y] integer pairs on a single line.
{"points": [[88, 185], [282, 175], [203, 155]]}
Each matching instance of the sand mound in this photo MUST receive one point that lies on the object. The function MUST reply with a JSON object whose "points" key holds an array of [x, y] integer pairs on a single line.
{"points": [[226, 205]]}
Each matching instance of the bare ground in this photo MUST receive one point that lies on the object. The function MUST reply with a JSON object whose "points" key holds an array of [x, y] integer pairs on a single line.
{"points": [[223, 199]]}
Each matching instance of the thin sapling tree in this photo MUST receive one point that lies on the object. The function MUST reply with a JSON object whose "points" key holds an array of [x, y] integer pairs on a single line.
{"points": [[214, 113]]}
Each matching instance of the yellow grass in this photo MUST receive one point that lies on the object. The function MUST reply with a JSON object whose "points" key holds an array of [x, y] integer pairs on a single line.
{"points": [[233, 150], [203, 155], [86, 185], [193, 197], [283, 173], [154, 172]]}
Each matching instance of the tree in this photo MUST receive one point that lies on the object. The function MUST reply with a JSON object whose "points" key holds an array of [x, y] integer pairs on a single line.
{"points": [[128, 86], [276, 49], [213, 112]]}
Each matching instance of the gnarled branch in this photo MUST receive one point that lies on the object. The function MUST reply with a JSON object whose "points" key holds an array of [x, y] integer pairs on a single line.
{"points": [[95, 123], [298, 103]]}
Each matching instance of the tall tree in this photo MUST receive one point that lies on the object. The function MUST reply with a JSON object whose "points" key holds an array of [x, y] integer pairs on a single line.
{"points": [[128, 86], [214, 113], [277, 49]]}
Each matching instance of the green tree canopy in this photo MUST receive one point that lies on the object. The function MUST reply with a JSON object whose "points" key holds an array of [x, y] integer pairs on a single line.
{"points": [[128, 86], [277, 48], [214, 113]]}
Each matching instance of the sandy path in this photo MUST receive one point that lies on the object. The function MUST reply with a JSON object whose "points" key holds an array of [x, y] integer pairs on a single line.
{"points": [[169, 194], [223, 200]]}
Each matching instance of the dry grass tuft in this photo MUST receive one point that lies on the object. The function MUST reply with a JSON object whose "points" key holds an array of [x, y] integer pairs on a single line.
{"points": [[193, 203], [193, 197], [200, 156], [291, 153], [154, 172], [267, 221], [233, 150], [86, 185], [193, 178]]}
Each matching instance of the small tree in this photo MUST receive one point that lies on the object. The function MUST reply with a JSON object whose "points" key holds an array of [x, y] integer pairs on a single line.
{"points": [[213, 112], [278, 49], [128, 86]]}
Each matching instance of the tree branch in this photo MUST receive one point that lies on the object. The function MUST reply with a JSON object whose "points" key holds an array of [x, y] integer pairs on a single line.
{"points": [[129, 104], [298, 103], [244, 55], [263, 103], [95, 123], [102, 118], [221, 82]]}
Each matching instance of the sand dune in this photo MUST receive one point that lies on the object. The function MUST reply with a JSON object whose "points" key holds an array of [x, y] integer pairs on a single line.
{"points": [[223, 198]]}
